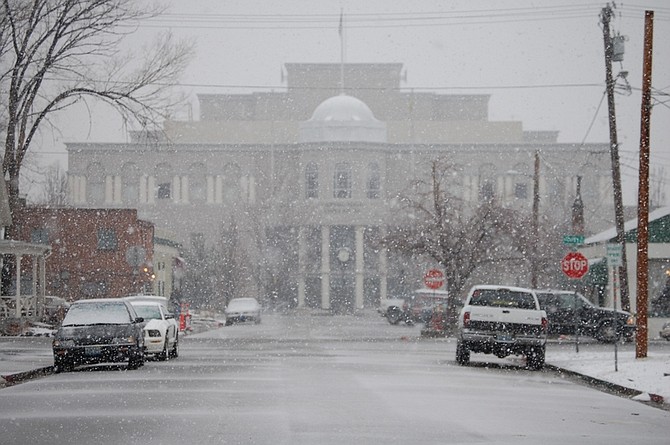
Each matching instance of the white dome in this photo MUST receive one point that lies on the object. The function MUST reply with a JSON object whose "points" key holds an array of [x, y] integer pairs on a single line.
{"points": [[345, 119], [342, 108]]}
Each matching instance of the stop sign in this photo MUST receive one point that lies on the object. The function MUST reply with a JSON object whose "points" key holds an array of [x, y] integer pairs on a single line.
{"points": [[433, 279], [574, 265]]}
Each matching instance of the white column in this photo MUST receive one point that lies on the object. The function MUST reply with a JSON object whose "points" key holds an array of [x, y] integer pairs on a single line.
{"points": [[117, 189], [252, 190], [302, 255], [244, 187], [500, 188], [325, 267], [383, 268], [176, 189], [82, 189], [151, 189], [360, 267], [218, 189], [143, 190], [185, 195], [210, 189], [109, 189], [18, 285]]}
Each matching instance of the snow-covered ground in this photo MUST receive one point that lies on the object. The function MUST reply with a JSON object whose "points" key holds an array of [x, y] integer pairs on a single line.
{"points": [[650, 375]]}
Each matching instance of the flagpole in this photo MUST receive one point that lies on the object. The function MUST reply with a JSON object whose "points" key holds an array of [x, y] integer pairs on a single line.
{"points": [[341, 32]]}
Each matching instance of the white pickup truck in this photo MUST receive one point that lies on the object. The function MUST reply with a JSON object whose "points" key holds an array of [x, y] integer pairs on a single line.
{"points": [[502, 320]]}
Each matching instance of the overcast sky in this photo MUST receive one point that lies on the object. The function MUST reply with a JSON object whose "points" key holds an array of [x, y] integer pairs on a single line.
{"points": [[542, 62]]}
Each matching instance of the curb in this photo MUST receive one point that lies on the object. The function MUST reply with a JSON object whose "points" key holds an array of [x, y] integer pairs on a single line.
{"points": [[19, 377], [655, 399]]}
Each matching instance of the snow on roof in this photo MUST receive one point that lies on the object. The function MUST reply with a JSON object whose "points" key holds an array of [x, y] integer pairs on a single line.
{"points": [[610, 233]]}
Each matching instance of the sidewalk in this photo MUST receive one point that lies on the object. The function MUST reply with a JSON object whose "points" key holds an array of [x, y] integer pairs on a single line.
{"points": [[644, 380], [20, 355]]}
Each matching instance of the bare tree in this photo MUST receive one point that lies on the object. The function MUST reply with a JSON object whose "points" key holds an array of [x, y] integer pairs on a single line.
{"points": [[54, 187], [55, 53], [459, 239]]}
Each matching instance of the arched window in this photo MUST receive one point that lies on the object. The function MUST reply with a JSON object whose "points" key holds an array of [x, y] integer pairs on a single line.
{"points": [[164, 181], [487, 185], [130, 187], [374, 181], [196, 183], [522, 181], [342, 180], [312, 180], [95, 178], [231, 183]]}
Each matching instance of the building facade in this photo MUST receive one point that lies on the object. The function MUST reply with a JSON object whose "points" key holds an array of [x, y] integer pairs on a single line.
{"points": [[95, 253], [308, 180]]}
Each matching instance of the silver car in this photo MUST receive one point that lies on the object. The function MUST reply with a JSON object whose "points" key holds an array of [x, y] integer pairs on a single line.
{"points": [[665, 331], [243, 309]]}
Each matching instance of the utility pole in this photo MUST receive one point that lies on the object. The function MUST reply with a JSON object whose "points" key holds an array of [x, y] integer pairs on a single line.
{"points": [[643, 194], [606, 16], [535, 221]]}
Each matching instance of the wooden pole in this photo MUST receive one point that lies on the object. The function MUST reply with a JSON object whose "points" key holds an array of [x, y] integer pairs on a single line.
{"points": [[643, 192]]}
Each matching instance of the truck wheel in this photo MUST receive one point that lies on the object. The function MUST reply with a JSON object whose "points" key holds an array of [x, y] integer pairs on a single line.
{"points": [[462, 354], [535, 358], [607, 333], [393, 315]]}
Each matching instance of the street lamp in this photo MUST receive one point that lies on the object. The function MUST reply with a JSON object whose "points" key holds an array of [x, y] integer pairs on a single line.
{"points": [[343, 256]]}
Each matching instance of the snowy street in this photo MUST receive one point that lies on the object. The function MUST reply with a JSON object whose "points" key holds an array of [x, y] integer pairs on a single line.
{"points": [[321, 380]]}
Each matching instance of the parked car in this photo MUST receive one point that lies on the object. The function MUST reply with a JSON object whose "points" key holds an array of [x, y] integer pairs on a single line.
{"points": [[665, 331], [161, 331], [395, 309], [419, 307], [243, 309], [603, 324], [99, 331]]}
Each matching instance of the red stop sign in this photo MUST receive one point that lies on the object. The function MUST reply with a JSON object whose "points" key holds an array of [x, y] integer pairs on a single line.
{"points": [[434, 279], [574, 265]]}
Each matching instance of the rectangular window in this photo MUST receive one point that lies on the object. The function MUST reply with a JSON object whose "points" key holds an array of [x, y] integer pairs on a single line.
{"points": [[487, 191], [107, 239], [163, 191], [521, 191], [39, 236]]}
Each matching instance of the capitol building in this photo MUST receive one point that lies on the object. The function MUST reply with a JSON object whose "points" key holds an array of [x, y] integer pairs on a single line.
{"points": [[306, 181]]}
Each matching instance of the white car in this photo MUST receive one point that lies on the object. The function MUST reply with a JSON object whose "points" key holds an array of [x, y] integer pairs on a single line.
{"points": [[161, 332], [243, 309]]}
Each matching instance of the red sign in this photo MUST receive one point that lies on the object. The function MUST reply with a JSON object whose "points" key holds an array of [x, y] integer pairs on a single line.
{"points": [[434, 279], [575, 265]]}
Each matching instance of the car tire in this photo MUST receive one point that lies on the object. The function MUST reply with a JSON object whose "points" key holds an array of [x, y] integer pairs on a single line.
{"points": [[61, 365], [535, 358], [174, 352], [163, 355], [393, 315], [135, 361], [462, 354]]}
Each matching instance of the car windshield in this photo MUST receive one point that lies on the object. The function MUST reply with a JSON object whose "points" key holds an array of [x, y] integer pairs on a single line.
{"points": [[148, 312], [97, 313], [503, 298]]}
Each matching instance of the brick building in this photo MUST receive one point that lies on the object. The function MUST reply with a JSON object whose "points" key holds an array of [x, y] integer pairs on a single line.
{"points": [[94, 252]]}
